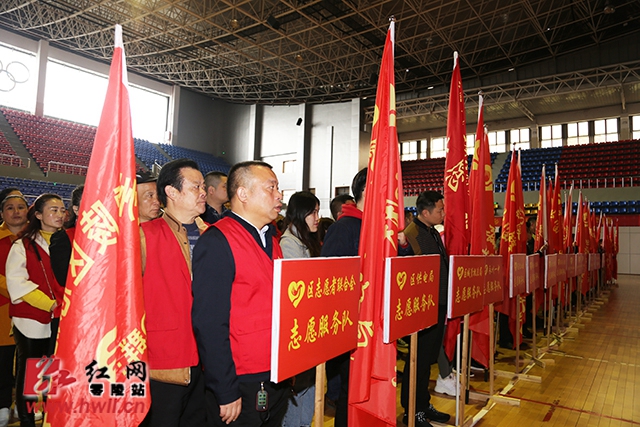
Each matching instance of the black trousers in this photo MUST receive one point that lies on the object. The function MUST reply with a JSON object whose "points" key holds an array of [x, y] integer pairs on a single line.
{"points": [[7, 381], [27, 348], [429, 344], [176, 405], [249, 417]]}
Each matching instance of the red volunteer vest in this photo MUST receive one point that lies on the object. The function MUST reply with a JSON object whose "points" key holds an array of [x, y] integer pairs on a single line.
{"points": [[5, 247], [37, 276], [167, 300], [251, 294]]}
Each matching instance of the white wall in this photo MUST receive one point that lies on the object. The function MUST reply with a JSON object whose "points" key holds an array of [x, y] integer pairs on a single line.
{"points": [[629, 252], [334, 134]]}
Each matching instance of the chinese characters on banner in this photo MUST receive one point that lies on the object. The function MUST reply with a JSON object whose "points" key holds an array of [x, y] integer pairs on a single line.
{"points": [[571, 266], [594, 262], [534, 279], [410, 295], [550, 270], [561, 271], [315, 312], [517, 275], [581, 263], [466, 284], [493, 279]]}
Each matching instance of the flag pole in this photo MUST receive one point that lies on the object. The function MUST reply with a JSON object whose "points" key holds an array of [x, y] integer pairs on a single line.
{"points": [[318, 417]]}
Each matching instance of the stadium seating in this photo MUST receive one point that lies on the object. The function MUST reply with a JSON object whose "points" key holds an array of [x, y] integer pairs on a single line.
{"points": [[426, 174], [206, 162], [65, 147], [55, 145], [32, 188]]}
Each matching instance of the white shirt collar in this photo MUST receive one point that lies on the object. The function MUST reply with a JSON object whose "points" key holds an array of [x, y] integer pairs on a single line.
{"points": [[262, 232]]}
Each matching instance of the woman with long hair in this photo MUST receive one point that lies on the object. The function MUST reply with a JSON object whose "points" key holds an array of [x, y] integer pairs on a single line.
{"points": [[35, 294], [300, 240], [13, 209]]}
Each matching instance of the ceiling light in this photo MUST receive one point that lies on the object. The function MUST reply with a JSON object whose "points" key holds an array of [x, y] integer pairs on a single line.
{"points": [[608, 9], [430, 87], [299, 59], [234, 24]]}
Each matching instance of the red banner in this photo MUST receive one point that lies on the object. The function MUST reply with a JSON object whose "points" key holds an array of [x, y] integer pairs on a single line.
{"points": [[561, 271], [594, 262], [411, 287], [534, 278], [372, 375], [466, 283], [315, 313], [581, 263], [517, 275], [102, 342], [493, 279], [571, 266], [456, 180], [550, 271]]}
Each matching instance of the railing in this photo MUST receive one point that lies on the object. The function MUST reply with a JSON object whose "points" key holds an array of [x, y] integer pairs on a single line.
{"points": [[66, 168], [17, 161], [579, 184]]}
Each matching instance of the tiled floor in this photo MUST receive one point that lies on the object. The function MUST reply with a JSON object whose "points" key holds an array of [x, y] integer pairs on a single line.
{"points": [[594, 379]]}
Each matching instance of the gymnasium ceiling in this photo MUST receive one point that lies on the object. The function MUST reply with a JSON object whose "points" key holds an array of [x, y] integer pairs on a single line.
{"points": [[529, 57]]}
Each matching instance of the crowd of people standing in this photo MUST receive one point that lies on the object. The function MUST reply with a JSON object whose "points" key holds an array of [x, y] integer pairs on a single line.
{"points": [[208, 245]]}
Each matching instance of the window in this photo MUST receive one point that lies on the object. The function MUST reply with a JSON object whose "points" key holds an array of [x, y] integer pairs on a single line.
{"points": [[409, 150], [423, 149], [66, 98], [17, 78], [497, 142], [520, 138], [471, 143], [635, 127], [288, 166], [551, 136], [578, 133], [341, 190], [605, 130], [438, 148]]}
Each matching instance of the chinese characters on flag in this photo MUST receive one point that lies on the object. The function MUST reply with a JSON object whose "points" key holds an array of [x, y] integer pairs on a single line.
{"points": [[372, 375], [102, 340]]}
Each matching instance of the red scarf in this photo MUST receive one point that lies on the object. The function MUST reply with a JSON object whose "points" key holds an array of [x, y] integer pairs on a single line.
{"points": [[351, 210]]}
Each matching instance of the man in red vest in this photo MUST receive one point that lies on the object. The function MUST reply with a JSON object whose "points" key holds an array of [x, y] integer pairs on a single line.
{"points": [[177, 383], [232, 291]]}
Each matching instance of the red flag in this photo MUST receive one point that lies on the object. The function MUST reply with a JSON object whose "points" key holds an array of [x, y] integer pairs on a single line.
{"points": [[616, 248], [456, 182], [578, 234], [550, 236], [482, 233], [372, 379], [583, 238], [568, 223], [555, 215], [514, 236], [456, 186], [102, 340], [541, 224]]}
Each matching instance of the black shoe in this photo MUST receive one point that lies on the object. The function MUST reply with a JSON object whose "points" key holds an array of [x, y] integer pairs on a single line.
{"points": [[434, 415], [527, 334], [506, 344], [421, 420]]}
